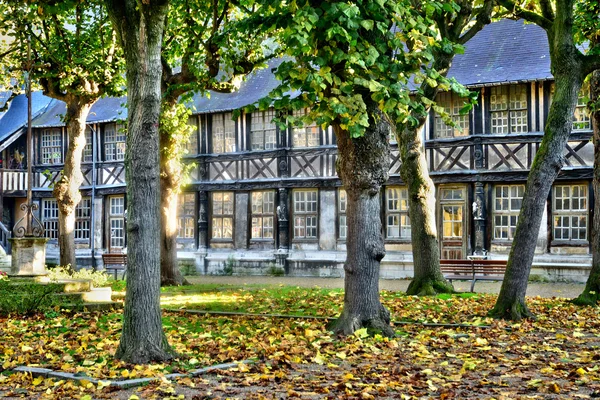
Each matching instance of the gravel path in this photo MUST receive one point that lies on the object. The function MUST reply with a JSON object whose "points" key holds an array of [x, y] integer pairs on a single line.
{"points": [[568, 290]]}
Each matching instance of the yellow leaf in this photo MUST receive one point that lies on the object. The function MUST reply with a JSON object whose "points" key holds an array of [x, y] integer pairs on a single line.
{"points": [[554, 388], [25, 348], [133, 397], [125, 373], [103, 384], [581, 371], [578, 334], [37, 381], [87, 363], [341, 355], [481, 342], [361, 333], [319, 358]]}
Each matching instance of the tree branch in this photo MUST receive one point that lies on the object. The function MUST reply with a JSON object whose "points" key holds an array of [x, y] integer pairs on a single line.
{"points": [[482, 19], [525, 14], [547, 11]]}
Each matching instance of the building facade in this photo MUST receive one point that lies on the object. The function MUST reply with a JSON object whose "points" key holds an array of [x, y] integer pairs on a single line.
{"points": [[264, 198]]}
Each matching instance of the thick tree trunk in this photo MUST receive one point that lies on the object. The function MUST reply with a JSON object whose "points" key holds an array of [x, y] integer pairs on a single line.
{"points": [[544, 170], [591, 293], [66, 190], [428, 278], [170, 182], [140, 26], [363, 165]]}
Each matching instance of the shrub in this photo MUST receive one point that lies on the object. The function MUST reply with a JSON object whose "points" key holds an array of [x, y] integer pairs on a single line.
{"points": [[228, 266], [27, 297], [98, 278], [274, 270]]}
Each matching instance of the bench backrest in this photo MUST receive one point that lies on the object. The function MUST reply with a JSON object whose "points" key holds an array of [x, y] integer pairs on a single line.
{"points": [[489, 267], [112, 259], [457, 266]]}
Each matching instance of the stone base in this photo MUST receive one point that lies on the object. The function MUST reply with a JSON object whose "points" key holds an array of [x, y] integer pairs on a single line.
{"points": [[28, 256]]}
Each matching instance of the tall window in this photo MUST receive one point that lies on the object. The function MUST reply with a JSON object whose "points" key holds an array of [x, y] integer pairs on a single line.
{"points": [[570, 213], [507, 204], [263, 208], [88, 149], [223, 133], [51, 146], [222, 215], [508, 109], [342, 203], [452, 105], [50, 218], [398, 222], [186, 215], [116, 221], [114, 143], [582, 119], [263, 130], [192, 144], [83, 218], [305, 136], [305, 214]]}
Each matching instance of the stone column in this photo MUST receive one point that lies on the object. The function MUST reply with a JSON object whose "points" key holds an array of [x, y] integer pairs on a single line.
{"points": [[327, 233], [479, 219], [203, 235], [98, 231], [241, 220], [283, 226], [28, 256]]}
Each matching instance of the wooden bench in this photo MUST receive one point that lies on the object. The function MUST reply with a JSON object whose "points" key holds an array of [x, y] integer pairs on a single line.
{"points": [[115, 262], [473, 270]]}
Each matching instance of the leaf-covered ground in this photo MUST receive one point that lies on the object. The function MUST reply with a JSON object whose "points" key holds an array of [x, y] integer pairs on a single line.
{"points": [[554, 357]]}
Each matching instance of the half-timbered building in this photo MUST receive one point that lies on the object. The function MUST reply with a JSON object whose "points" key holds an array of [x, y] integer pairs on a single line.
{"points": [[262, 197]]}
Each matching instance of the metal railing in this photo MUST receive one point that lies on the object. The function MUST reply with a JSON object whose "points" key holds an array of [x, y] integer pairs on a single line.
{"points": [[5, 234], [13, 180]]}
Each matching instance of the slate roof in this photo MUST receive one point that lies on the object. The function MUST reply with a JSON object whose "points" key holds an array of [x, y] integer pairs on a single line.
{"points": [[16, 116], [504, 51], [106, 109]]}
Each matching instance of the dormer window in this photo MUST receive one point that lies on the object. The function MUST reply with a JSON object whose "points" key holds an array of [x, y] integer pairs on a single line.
{"points": [[51, 146], [305, 136], [452, 104], [508, 109], [114, 142], [223, 133], [263, 130]]}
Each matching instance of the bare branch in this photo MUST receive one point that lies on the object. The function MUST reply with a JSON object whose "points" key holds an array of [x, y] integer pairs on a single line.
{"points": [[530, 16], [482, 19], [547, 11]]}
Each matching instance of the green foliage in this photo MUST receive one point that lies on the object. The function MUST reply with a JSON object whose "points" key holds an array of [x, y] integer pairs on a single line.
{"points": [[275, 270], [73, 48], [228, 266], [27, 297], [342, 53], [98, 278]]}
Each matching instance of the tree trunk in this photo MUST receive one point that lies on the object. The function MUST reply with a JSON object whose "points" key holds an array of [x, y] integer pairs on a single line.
{"points": [[544, 170], [428, 278], [591, 293], [140, 26], [363, 165], [66, 190], [170, 186]]}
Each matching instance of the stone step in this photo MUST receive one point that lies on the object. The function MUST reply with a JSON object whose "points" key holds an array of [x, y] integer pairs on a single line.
{"points": [[105, 306], [94, 295]]}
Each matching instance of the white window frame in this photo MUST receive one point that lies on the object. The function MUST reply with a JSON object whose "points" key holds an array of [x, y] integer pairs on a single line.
{"points": [[50, 218], [83, 220], [452, 104], [306, 213], [305, 136], [51, 146], [397, 220], [507, 206], [263, 131], [569, 210], [223, 209], [262, 206], [223, 133], [116, 222], [114, 142], [186, 216], [88, 150], [342, 218], [508, 109]]}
